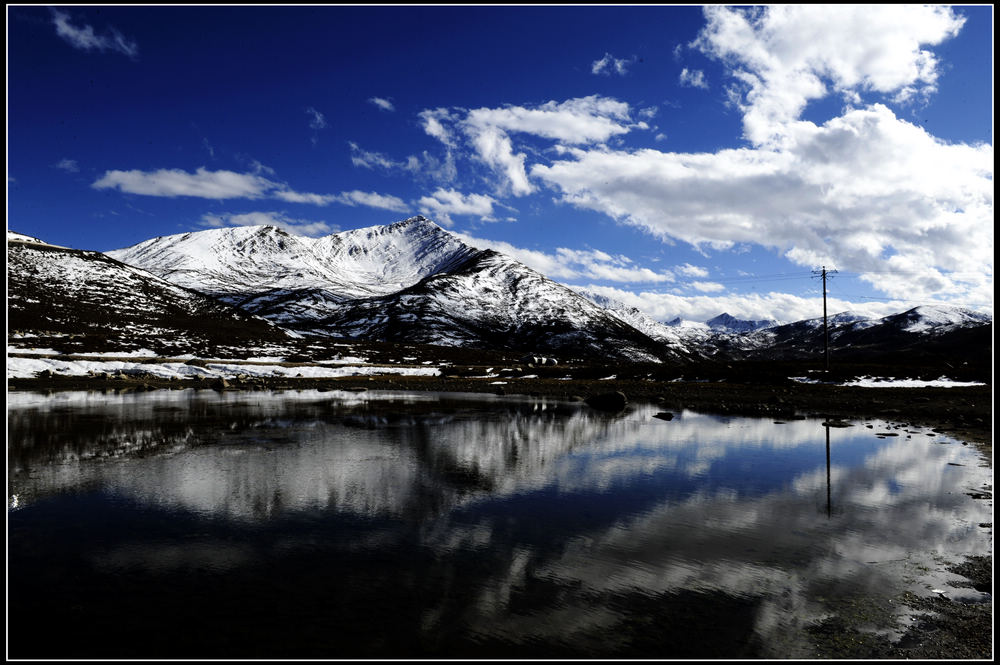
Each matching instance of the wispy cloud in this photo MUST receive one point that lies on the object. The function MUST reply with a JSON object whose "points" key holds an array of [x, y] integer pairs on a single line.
{"points": [[373, 200], [693, 78], [86, 38], [316, 119], [382, 103], [68, 165], [444, 203], [425, 166], [489, 132], [176, 182], [610, 65], [222, 185], [574, 265], [689, 270], [317, 122]]}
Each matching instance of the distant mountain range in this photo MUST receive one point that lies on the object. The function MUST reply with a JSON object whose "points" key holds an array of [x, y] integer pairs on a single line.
{"points": [[409, 282]]}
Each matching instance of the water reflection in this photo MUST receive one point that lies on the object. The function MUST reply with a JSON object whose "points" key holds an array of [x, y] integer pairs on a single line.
{"points": [[387, 524]]}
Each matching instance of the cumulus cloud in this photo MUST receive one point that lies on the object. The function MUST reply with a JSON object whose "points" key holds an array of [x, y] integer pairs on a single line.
{"points": [[86, 38], [693, 78], [301, 227], [784, 56], [382, 103], [610, 65], [863, 191]]}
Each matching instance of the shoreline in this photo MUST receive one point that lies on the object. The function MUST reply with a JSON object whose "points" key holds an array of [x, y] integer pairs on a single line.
{"points": [[963, 412]]}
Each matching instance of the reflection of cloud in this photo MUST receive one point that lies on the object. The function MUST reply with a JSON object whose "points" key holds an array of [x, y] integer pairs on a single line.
{"points": [[734, 507]]}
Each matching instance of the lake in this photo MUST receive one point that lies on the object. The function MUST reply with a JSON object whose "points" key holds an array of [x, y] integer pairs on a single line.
{"points": [[308, 524]]}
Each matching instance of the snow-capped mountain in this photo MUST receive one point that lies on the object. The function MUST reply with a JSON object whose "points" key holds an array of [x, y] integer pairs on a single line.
{"points": [[90, 300], [233, 263], [685, 342], [921, 330], [409, 281], [727, 323]]}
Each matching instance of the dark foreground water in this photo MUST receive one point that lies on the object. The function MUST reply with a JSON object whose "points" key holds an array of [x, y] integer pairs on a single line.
{"points": [[183, 524]]}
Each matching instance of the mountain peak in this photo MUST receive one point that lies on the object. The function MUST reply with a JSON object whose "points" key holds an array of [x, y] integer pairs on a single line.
{"points": [[729, 323], [415, 222]]}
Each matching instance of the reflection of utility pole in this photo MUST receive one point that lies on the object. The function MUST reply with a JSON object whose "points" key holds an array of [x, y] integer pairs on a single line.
{"points": [[827, 471], [826, 328]]}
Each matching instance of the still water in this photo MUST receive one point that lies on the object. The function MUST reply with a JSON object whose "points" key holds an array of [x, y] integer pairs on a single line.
{"points": [[177, 524]]}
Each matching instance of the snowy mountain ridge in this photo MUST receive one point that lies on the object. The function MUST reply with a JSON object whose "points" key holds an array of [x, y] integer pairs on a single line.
{"points": [[232, 262], [414, 282], [409, 281]]}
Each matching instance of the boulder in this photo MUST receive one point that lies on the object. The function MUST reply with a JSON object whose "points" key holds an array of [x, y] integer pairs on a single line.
{"points": [[616, 401]]}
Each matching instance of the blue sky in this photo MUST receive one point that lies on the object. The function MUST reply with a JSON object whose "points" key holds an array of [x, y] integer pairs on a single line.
{"points": [[685, 160]]}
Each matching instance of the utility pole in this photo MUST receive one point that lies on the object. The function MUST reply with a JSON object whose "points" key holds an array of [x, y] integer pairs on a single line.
{"points": [[826, 328]]}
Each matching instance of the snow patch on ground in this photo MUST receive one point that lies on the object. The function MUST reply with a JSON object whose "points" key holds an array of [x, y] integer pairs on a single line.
{"points": [[37, 352], [26, 368], [878, 382]]}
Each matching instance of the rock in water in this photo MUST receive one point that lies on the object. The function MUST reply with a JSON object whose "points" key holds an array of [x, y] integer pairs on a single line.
{"points": [[616, 401]]}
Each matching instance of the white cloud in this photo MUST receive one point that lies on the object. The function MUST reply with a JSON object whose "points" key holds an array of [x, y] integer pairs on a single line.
{"points": [[68, 165], [444, 203], [582, 120], [488, 132], [689, 270], [175, 182], [786, 55], [382, 103], [435, 123], [316, 119], [865, 191], [782, 307], [86, 39], [373, 200], [372, 160], [304, 197], [693, 78], [609, 65], [425, 166], [707, 287], [281, 220], [573, 264], [207, 185]]}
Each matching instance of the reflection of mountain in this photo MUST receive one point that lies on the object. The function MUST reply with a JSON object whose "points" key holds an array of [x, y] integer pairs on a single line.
{"points": [[517, 521], [265, 456]]}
